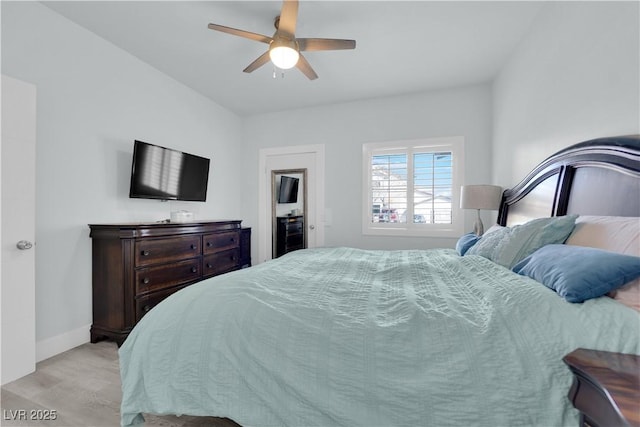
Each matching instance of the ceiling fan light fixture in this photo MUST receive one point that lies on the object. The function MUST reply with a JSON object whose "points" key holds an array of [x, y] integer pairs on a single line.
{"points": [[284, 55], [284, 47]]}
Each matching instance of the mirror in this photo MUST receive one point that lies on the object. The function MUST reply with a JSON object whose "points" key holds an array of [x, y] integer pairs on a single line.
{"points": [[288, 210]]}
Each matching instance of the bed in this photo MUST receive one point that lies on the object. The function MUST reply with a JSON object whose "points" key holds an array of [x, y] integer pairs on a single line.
{"points": [[351, 337]]}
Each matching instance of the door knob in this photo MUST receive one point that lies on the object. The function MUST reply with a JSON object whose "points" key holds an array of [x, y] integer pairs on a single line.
{"points": [[312, 227], [24, 245]]}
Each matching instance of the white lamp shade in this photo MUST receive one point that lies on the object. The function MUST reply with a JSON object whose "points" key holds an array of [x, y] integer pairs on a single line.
{"points": [[487, 197], [284, 57]]}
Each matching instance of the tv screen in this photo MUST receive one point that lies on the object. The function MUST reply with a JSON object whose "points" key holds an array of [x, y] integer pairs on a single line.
{"points": [[288, 189], [166, 174]]}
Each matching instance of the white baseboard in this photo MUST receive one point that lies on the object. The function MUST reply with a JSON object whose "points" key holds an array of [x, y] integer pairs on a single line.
{"points": [[60, 343]]}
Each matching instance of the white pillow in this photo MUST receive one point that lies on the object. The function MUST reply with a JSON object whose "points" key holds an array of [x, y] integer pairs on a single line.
{"points": [[611, 233], [616, 234]]}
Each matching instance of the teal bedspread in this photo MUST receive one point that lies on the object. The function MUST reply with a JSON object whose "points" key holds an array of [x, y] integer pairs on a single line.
{"points": [[347, 337]]}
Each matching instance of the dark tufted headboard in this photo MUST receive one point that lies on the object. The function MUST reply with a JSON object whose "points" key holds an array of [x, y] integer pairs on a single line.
{"points": [[597, 177]]}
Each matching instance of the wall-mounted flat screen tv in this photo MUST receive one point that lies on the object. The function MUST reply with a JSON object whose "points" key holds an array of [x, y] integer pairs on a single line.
{"points": [[288, 189], [166, 174]]}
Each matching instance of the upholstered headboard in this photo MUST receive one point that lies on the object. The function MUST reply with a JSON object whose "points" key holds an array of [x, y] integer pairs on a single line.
{"points": [[597, 177]]}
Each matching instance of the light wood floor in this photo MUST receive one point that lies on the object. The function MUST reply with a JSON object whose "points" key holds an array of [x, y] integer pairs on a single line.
{"points": [[83, 386]]}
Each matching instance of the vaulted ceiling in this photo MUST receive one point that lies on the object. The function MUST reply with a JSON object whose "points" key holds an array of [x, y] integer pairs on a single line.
{"points": [[402, 46]]}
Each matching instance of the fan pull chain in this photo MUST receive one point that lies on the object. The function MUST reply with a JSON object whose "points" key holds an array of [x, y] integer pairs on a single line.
{"points": [[275, 72]]}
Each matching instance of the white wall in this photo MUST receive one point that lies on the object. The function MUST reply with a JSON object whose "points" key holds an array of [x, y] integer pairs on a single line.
{"points": [[343, 128], [574, 77], [93, 101]]}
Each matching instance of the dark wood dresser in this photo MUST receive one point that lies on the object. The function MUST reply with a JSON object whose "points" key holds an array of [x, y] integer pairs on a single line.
{"points": [[289, 234], [135, 266], [606, 387]]}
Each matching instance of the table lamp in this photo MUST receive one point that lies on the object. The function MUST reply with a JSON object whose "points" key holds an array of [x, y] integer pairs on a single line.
{"points": [[487, 197]]}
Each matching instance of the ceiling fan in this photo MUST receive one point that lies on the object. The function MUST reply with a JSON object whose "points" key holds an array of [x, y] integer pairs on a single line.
{"points": [[284, 48]]}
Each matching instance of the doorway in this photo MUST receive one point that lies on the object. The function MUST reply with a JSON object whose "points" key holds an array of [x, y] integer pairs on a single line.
{"points": [[307, 164], [288, 210]]}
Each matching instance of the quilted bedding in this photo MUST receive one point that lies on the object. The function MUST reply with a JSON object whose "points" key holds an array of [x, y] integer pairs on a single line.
{"points": [[348, 337]]}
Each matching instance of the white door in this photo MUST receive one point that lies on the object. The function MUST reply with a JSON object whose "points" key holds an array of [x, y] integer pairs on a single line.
{"points": [[309, 157], [17, 297]]}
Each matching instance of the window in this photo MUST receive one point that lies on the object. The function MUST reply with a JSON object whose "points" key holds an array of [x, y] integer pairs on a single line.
{"points": [[412, 188]]}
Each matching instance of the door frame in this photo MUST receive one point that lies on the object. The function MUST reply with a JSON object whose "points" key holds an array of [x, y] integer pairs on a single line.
{"points": [[315, 179]]}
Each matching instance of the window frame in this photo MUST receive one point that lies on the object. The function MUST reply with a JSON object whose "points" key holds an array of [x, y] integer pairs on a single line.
{"points": [[454, 145]]}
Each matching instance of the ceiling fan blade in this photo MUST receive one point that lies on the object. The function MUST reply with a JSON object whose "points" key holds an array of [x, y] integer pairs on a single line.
{"points": [[241, 33], [259, 62], [288, 18], [310, 45], [304, 66]]}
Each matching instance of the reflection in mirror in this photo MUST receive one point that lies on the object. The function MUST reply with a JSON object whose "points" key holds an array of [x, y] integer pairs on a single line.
{"points": [[288, 210]]}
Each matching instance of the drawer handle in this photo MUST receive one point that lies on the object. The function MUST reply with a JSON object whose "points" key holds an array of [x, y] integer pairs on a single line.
{"points": [[145, 253], [146, 280], [233, 239], [146, 308], [209, 244], [209, 265], [193, 246], [194, 270], [232, 257]]}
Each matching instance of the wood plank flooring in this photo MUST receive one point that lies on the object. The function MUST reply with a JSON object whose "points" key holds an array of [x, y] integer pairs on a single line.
{"points": [[83, 386]]}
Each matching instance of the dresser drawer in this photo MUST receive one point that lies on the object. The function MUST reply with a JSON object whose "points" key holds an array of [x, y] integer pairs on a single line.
{"points": [[221, 241], [149, 279], [293, 227], [146, 303], [157, 251], [220, 262]]}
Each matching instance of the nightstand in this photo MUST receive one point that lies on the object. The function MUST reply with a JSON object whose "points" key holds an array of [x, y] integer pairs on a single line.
{"points": [[606, 387]]}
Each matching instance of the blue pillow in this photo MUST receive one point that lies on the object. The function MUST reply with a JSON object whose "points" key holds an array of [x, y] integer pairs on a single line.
{"points": [[578, 273], [465, 242], [509, 245]]}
